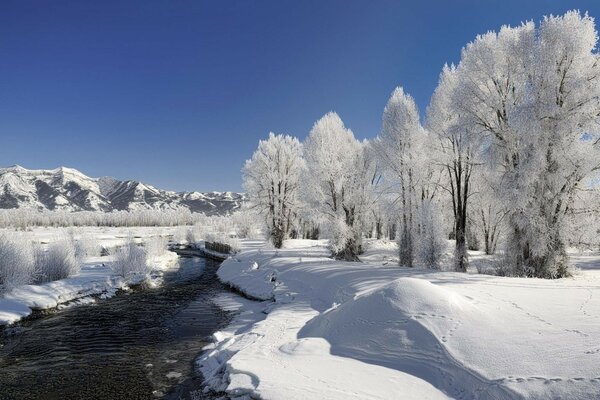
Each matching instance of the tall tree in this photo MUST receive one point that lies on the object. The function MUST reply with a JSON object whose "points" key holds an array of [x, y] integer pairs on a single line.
{"points": [[534, 96], [271, 180], [456, 153], [398, 147], [336, 186]]}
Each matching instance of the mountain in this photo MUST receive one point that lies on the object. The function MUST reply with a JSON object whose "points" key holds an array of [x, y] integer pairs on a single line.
{"points": [[70, 190]]}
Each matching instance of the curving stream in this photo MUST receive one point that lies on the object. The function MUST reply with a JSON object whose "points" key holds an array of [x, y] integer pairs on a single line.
{"points": [[136, 345]]}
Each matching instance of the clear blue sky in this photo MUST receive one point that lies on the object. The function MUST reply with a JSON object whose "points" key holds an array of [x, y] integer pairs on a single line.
{"points": [[177, 93]]}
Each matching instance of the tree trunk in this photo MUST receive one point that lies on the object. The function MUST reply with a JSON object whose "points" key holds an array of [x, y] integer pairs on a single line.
{"points": [[378, 229], [277, 236], [460, 252]]}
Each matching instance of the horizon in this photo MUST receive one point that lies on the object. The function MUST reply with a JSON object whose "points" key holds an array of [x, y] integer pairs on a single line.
{"points": [[158, 92]]}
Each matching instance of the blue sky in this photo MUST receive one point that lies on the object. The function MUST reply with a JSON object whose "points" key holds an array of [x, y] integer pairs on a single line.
{"points": [[177, 93]]}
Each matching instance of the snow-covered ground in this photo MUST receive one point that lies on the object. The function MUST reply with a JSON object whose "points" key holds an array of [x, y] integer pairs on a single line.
{"points": [[336, 330], [95, 277], [107, 237]]}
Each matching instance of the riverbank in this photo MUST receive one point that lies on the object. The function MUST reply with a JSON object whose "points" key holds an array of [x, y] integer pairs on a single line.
{"points": [[95, 279], [339, 330]]}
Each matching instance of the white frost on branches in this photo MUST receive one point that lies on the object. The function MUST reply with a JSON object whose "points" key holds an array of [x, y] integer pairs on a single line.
{"points": [[271, 180]]}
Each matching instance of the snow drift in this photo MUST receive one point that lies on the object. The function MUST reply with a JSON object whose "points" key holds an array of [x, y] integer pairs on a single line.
{"points": [[340, 330]]}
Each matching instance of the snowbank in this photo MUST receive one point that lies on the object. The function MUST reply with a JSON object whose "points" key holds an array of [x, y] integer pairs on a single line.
{"points": [[338, 330]]}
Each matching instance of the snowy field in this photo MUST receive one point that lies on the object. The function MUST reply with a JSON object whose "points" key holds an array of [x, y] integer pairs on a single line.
{"points": [[337, 330], [96, 277]]}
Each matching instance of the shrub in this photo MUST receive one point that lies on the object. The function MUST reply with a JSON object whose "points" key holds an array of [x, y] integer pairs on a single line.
{"points": [[16, 263], [87, 247], [59, 261], [130, 260], [156, 246], [233, 244], [190, 238]]}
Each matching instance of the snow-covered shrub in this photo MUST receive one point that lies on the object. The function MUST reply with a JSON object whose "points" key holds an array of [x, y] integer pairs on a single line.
{"points": [[246, 224], [84, 246], [58, 261], [503, 267], [190, 237], [16, 263], [200, 230], [487, 266], [156, 246], [130, 259], [87, 247], [340, 235], [179, 234], [233, 243]]}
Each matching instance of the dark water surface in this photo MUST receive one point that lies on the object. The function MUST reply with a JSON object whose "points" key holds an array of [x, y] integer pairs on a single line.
{"points": [[137, 345]]}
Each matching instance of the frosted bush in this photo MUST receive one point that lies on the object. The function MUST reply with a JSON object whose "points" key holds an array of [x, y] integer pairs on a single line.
{"points": [[190, 238], [246, 223], [87, 247], [339, 234], [179, 234], [58, 261], [130, 260], [16, 263], [236, 245], [156, 246], [233, 243]]}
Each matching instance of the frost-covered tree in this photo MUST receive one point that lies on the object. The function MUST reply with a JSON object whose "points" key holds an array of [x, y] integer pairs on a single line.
{"points": [[533, 95], [271, 180], [336, 187], [457, 146], [407, 174], [584, 232], [488, 212], [378, 211], [23, 218]]}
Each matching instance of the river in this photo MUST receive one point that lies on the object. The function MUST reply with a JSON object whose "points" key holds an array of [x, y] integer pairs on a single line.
{"points": [[139, 344]]}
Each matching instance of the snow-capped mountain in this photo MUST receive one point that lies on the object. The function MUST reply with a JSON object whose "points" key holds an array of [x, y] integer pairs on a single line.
{"points": [[68, 189]]}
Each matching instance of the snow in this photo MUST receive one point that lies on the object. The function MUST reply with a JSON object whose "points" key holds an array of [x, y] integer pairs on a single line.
{"points": [[340, 330], [67, 189], [95, 277]]}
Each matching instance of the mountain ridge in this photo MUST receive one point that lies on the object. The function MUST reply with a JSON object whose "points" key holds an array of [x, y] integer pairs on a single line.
{"points": [[69, 189]]}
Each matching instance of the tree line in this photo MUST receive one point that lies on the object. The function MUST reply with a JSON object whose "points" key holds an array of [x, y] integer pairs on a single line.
{"points": [[507, 151]]}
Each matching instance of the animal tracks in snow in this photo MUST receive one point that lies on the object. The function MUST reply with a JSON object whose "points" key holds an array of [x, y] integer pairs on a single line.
{"points": [[545, 380], [583, 306], [455, 323]]}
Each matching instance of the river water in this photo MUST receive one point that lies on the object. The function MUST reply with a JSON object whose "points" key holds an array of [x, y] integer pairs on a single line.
{"points": [[136, 345]]}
